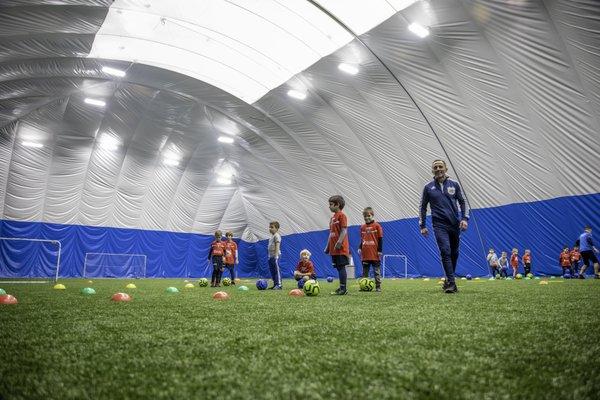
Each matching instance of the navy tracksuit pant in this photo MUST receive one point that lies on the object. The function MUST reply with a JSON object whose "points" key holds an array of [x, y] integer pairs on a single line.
{"points": [[448, 241]]}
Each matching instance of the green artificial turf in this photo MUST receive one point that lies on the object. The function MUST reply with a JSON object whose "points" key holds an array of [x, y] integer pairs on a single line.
{"points": [[492, 340]]}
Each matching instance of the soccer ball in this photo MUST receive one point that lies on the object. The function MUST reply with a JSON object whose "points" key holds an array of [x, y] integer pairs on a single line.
{"points": [[530, 275], [498, 276], [469, 277], [519, 276], [330, 279], [261, 284], [366, 284], [226, 281], [300, 283], [567, 276], [203, 282], [311, 288]]}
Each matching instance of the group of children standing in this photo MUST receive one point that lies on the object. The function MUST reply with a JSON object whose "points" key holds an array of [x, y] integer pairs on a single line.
{"points": [[499, 266], [338, 247], [568, 259], [583, 250], [223, 255]]}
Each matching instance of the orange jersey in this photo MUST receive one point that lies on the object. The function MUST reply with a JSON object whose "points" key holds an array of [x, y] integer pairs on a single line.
{"points": [[217, 248], [370, 235], [338, 222], [514, 260], [575, 255], [230, 251], [305, 267], [565, 259], [526, 259]]}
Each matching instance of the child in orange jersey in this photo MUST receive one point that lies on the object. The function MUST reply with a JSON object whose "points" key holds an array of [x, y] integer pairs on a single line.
{"points": [[575, 256], [526, 260], [231, 255], [370, 248], [564, 260], [305, 269], [217, 250], [514, 262], [338, 246]]}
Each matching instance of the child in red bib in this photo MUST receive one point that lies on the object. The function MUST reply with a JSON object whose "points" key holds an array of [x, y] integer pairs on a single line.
{"points": [[370, 248]]}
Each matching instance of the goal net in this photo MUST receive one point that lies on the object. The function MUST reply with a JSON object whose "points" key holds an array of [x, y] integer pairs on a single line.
{"points": [[396, 266], [25, 258], [114, 265]]}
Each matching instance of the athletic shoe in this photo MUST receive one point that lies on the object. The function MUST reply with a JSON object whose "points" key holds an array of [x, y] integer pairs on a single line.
{"points": [[339, 292], [378, 289], [451, 288], [581, 276], [278, 287], [444, 286]]}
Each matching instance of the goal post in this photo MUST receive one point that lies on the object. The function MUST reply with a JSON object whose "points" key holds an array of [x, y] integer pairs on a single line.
{"points": [[114, 265], [385, 265], [56, 243]]}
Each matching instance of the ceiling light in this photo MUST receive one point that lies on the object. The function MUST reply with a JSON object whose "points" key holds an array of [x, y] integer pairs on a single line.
{"points": [[225, 139], [418, 30], [350, 69], [108, 142], [113, 71], [32, 144], [223, 181], [95, 102], [296, 94], [171, 162]]}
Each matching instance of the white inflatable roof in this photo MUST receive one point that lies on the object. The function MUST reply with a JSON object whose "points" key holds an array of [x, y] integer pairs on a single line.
{"points": [[196, 115]]}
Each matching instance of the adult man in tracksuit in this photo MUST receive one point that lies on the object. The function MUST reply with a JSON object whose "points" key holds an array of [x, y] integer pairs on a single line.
{"points": [[588, 252], [442, 194]]}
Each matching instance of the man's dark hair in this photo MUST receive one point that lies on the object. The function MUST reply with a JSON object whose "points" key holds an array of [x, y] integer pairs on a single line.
{"points": [[275, 224]]}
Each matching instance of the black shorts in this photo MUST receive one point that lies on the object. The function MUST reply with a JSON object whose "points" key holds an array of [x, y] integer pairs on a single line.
{"points": [[588, 256], [339, 261]]}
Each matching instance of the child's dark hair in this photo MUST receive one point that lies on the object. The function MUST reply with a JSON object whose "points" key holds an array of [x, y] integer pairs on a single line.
{"points": [[368, 210], [338, 200], [275, 224], [218, 234], [229, 233]]}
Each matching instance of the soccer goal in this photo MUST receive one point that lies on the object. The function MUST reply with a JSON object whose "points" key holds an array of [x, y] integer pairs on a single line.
{"points": [[29, 258], [394, 265], [114, 265]]}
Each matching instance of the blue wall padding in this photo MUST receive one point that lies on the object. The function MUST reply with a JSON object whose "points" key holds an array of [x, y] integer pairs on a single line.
{"points": [[543, 226]]}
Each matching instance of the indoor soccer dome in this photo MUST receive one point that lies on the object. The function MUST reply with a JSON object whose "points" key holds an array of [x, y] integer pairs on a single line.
{"points": [[138, 127]]}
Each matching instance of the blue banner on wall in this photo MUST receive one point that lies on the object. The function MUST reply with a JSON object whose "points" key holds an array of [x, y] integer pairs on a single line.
{"points": [[543, 226]]}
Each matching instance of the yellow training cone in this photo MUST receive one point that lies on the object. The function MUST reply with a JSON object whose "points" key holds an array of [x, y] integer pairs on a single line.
{"points": [[543, 282], [189, 286], [130, 286], [59, 286]]}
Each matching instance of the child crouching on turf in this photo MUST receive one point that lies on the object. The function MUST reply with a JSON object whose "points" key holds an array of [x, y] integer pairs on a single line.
{"points": [[503, 265], [338, 246], [305, 269], [217, 249]]}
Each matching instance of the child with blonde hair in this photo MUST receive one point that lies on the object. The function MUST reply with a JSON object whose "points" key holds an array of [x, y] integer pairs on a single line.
{"points": [[305, 269]]}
